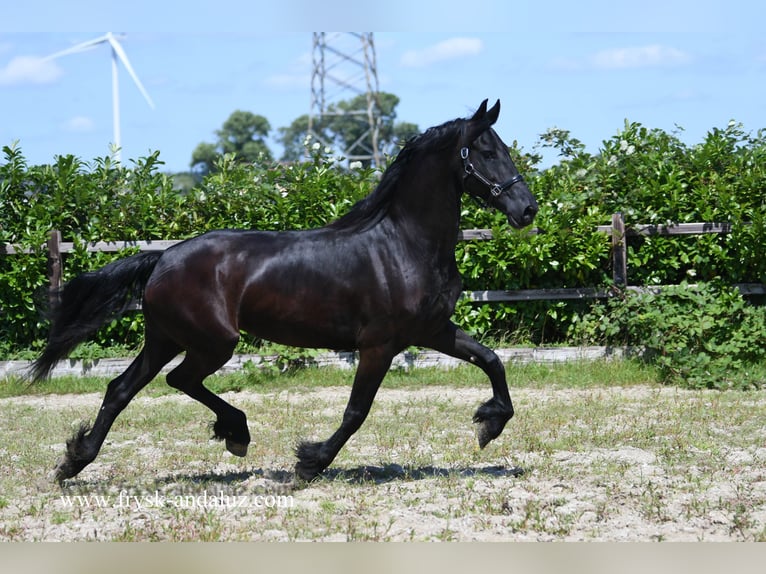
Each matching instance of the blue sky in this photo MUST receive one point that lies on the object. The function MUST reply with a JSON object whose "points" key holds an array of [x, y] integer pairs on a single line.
{"points": [[582, 66]]}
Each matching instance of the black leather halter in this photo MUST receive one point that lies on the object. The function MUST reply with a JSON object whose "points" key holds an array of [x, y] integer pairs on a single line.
{"points": [[494, 188]]}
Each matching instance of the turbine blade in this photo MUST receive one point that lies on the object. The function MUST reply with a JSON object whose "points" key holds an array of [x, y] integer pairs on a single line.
{"points": [[82, 47], [124, 58]]}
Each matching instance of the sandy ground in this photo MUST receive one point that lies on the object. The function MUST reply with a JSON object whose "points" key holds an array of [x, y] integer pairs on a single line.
{"points": [[412, 487]]}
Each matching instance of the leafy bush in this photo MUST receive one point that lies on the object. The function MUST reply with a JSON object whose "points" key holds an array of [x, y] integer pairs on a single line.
{"points": [[702, 336]]}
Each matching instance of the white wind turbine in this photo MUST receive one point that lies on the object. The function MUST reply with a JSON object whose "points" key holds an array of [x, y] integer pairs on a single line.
{"points": [[117, 52]]}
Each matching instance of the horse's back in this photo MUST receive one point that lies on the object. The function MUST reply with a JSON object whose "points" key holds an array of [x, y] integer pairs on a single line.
{"points": [[284, 286]]}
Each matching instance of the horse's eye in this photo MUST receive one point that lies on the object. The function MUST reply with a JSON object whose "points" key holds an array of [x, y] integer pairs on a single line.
{"points": [[489, 154]]}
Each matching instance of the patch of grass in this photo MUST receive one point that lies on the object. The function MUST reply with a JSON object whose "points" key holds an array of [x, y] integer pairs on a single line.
{"points": [[582, 374], [574, 374], [15, 386]]}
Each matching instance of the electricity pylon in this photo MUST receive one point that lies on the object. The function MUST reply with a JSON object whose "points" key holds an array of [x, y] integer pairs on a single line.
{"points": [[344, 68]]}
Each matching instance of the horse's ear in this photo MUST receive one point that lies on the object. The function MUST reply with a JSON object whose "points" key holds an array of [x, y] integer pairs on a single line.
{"points": [[481, 121], [493, 113], [481, 112]]}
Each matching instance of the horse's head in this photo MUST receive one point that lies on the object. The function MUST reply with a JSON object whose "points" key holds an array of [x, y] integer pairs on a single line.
{"points": [[489, 172]]}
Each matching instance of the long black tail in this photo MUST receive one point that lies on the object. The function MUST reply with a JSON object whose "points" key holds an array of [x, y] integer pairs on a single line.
{"points": [[89, 301]]}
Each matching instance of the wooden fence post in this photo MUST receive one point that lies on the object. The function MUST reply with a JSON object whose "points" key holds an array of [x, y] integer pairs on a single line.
{"points": [[619, 251], [54, 266]]}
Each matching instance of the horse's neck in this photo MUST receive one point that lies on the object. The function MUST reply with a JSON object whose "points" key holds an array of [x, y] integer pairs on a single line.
{"points": [[430, 213]]}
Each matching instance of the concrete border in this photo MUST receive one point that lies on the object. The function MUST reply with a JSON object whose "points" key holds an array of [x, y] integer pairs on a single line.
{"points": [[342, 360]]}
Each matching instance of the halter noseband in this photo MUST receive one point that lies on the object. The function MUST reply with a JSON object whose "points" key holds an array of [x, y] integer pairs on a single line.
{"points": [[494, 188]]}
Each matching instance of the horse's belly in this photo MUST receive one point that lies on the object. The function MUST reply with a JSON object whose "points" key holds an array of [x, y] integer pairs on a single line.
{"points": [[298, 320]]}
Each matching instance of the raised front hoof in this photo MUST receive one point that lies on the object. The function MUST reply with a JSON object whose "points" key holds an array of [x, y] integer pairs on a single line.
{"points": [[236, 448], [485, 434], [308, 466], [490, 418]]}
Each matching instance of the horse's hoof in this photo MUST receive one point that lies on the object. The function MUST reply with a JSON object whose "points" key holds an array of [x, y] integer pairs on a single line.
{"points": [[236, 448], [483, 434], [62, 471], [306, 473], [54, 476]]}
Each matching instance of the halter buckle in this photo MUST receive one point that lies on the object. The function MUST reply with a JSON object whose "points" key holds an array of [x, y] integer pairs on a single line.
{"points": [[467, 165]]}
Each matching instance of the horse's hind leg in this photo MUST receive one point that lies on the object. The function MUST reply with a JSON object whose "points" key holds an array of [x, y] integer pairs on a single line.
{"points": [[497, 411], [314, 457], [84, 446], [231, 423]]}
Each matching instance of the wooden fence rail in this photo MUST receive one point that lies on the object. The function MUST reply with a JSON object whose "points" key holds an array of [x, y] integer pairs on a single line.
{"points": [[618, 232]]}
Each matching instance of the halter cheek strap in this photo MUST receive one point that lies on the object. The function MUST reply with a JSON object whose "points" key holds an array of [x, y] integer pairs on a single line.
{"points": [[494, 188]]}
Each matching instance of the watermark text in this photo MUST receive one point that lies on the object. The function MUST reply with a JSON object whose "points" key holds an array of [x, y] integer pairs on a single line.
{"points": [[127, 500]]}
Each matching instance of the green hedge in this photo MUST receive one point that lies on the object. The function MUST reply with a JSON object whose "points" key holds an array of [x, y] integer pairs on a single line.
{"points": [[650, 176]]}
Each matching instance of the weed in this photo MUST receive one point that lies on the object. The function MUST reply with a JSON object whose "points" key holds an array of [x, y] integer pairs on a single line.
{"points": [[653, 504], [58, 517]]}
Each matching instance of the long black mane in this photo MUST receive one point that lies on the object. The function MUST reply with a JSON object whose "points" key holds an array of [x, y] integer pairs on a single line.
{"points": [[368, 211]]}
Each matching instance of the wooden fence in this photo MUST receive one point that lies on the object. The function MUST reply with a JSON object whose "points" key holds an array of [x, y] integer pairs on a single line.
{"points": [[618, 233], [55, 247]]}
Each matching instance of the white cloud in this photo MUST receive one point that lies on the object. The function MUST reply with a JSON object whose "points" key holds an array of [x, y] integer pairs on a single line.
{"points": [[650, 56], [446, 50], [79, 124], [23, 70]]}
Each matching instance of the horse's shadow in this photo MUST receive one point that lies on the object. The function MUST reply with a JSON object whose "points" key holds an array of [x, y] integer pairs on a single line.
{"points": [[281, 480], [365, 474], [395, 472]]}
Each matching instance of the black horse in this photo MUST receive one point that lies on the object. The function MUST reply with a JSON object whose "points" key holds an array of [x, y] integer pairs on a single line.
{"points": [[380, 279]]}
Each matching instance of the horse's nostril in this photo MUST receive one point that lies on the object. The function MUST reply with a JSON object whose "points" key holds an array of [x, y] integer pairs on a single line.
{"points": [[529, 213]]}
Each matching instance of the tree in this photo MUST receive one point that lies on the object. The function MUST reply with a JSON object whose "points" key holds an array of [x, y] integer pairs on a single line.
{"points": [[341, 131], [292, 138], [242, 134]]}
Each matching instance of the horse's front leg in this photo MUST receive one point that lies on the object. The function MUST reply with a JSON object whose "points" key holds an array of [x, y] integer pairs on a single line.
{"points": [[492, 416], [314, 457]]}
